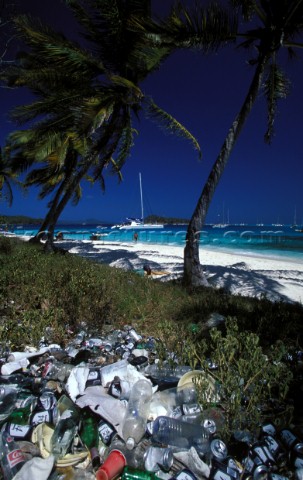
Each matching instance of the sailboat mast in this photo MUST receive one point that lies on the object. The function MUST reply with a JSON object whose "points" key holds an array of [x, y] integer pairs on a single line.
{"points": [[141, 198]]}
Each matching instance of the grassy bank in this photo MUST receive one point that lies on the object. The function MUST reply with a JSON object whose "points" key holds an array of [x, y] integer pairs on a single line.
{"points": [[55, 295], [39, 290]]}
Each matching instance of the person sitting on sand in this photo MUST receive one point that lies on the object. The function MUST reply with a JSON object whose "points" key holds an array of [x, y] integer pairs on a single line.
{"points": [[149, 272], [59, 236]]}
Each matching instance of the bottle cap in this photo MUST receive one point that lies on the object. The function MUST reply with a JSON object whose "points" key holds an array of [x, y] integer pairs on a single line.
{"points": [[130, 443]]}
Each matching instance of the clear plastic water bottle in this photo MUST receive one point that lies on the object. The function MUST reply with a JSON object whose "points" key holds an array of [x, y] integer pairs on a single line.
{"points": [[170, 431], [134, 423], [11, 457]]}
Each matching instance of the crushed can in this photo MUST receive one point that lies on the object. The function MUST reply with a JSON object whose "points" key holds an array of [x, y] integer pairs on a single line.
{"points": [[254, 470]]}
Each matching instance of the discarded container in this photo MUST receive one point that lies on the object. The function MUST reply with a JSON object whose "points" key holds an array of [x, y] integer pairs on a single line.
{"points": [[11, 457], [134, 423], [112, 467], [66, 427], [170, 431]]}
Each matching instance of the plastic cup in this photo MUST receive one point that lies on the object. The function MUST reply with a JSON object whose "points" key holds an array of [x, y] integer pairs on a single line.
{"points": [[112, 467]]}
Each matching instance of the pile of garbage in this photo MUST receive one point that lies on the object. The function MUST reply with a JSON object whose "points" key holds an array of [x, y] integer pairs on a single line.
{"points": [[105, 408]]}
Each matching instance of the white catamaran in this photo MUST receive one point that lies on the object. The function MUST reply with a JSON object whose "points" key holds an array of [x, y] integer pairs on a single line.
{"points": [[135, 223]]}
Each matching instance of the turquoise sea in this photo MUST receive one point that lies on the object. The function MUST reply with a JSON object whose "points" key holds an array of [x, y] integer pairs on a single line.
{"points": [[278, 240]]}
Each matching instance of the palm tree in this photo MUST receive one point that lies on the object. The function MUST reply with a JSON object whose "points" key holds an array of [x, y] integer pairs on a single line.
{"points": [[86, 98], [275, 25], [278, 26]]}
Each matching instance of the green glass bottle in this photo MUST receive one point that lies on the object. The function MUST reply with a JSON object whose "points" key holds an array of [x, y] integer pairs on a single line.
{"points": [[21, 416], [130, 473], [89, 435]]}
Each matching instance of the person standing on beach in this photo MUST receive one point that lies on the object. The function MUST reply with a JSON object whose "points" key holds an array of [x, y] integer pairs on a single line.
{"points": [[136, 236]]}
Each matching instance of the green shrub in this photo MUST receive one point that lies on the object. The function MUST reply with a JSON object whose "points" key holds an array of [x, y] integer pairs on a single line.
{"points": [[249, 380]]}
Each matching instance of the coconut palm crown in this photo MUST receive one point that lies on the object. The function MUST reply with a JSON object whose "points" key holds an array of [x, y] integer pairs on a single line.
{"points": [[86, 96]]}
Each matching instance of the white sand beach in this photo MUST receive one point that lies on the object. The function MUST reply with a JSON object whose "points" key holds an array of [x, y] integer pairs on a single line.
{"points": [[239, 273]]}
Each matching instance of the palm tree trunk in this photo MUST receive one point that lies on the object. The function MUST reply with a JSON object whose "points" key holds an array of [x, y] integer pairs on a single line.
{"points": [[54, 213], [193, 272], [44, 226]]}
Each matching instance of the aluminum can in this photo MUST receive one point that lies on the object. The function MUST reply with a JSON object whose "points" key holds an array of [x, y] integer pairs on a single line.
{"points": [[189, 409], [221, 471], [44, 416], [158, 457], [132, 332], [47, 400], [291, 441], [269, 429], [218, 449], [275, 448], [94, 377], [276, 476], [106, 432], [261, 455], [184, 474], [210, 425], [257, 472]]}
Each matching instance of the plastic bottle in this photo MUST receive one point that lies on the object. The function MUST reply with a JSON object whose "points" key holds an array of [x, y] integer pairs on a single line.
{"points": [[66, 427], [166, 402], [56, 370], [11, 457], [134, 423], [170, 431]]}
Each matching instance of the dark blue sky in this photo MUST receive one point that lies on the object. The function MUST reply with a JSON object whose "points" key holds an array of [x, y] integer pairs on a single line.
{"points": [[261, 183]]}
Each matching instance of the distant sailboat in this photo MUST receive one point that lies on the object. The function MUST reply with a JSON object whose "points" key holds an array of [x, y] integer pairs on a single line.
{"points": [[135, 223]]}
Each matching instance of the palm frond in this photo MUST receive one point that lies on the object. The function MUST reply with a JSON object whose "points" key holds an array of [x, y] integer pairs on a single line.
{"points": [[204, 28], [170, 124], [51, 46]]}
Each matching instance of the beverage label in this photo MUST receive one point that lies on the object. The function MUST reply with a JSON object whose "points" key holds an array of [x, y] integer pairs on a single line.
{"points": [[41, 417], [272, 444], [269, 429], [93, 375], [263, 453], [185, 475], [248, 464], [17, 431], [106, 432], [14, 457], [288, 437], [191, 408], [220, 475]]}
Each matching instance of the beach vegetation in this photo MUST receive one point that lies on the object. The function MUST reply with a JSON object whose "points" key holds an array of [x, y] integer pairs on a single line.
{"points": [[253, 343]]}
